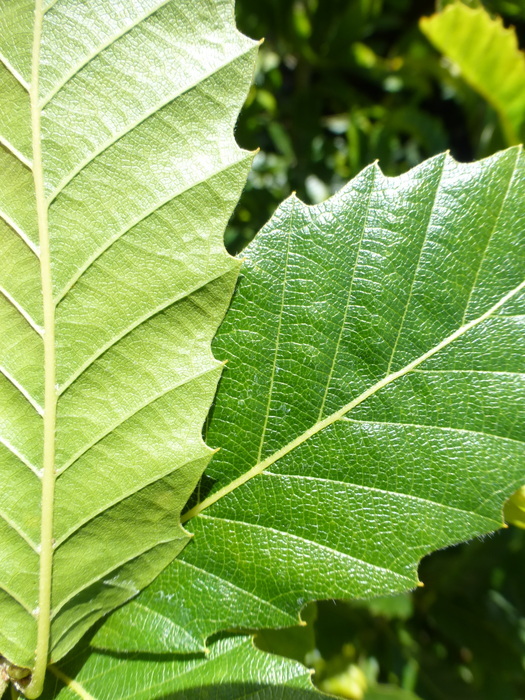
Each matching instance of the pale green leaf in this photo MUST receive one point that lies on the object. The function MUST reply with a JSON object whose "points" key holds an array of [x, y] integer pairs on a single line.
{"points": [[373, 406], [488, 57], [119, 173]]}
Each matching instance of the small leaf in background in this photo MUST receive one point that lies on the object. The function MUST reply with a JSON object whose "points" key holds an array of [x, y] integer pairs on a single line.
{"points": [[488, 56], [515, 508]]}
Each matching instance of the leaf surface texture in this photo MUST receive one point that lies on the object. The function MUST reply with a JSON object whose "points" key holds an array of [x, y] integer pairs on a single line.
{"points": [[232, 670], [119, 173], [372, 410]]}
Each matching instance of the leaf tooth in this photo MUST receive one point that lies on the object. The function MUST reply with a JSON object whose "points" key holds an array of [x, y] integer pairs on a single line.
{"points": [[111, 428], [138, 220], [143, 319]]}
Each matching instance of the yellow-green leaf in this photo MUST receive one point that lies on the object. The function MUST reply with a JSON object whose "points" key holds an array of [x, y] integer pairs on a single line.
{"points": [[488, 56], [119, 173]]}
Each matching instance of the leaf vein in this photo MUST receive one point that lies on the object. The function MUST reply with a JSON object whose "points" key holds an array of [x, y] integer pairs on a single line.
{"points": [[18, 229], [417, 268], [114, 239], [14, 526], [365, 487], [105, 573], [34, 325], [342, 555], [436, 427], [144, 117], [18, 76], [278, 334], [349, 296], [4, 588], [27, 396], [493, 231], [329, 420], [70, 683], [132, 327], [97, 51], [20, 456], [16, 153], [244, 591]]}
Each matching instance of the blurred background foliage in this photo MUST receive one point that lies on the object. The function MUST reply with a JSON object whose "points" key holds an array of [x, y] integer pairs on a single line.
{"points": [[342, 83], [339, 84]]}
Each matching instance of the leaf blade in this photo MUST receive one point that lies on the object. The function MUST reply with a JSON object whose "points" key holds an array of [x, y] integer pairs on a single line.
{"points": [[112, 222], [421, 458]]}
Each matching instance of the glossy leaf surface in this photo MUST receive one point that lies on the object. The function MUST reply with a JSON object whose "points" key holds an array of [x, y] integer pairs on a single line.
{"points": [[119, 173], [373, 406]]}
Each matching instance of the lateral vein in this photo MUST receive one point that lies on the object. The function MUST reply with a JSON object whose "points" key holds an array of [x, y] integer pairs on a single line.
{"points": [[300, 538], [20, 456], [16, 153], [349, 296], [138, 220], [329, 420], [18, 76], [14, 526], [111, 428], [34, 325], [22, 390], [138, 322], [99, 49], [71, 684], [17, 229], [278, 333], [140, 120]]}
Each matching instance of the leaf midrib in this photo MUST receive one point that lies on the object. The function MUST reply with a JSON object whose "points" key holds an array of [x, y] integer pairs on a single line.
{"points": [[43, 615], [334, 417]]}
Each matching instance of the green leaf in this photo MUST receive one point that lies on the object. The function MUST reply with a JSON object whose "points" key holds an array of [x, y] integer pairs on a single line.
{"points": [[119, 173], [488, 57], [515, 508], [232, 670], [372, 410]]}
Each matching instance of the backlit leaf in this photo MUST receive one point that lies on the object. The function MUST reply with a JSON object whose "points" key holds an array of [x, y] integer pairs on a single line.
{"points": [[119, 173]]}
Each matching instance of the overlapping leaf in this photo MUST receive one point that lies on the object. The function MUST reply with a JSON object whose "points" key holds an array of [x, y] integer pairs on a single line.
{"points": [[373, 407], [119, 173], [233, 670], [488, 57]]}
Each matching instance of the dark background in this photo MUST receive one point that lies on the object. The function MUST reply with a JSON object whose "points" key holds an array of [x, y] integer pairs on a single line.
{"points": [[341, 83]]}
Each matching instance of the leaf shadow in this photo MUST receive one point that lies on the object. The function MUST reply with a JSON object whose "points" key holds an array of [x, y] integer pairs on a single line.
{"points": [[78, 657]]}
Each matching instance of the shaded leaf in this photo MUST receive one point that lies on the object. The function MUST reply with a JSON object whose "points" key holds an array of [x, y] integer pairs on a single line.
{"points": [[233, 670]]}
